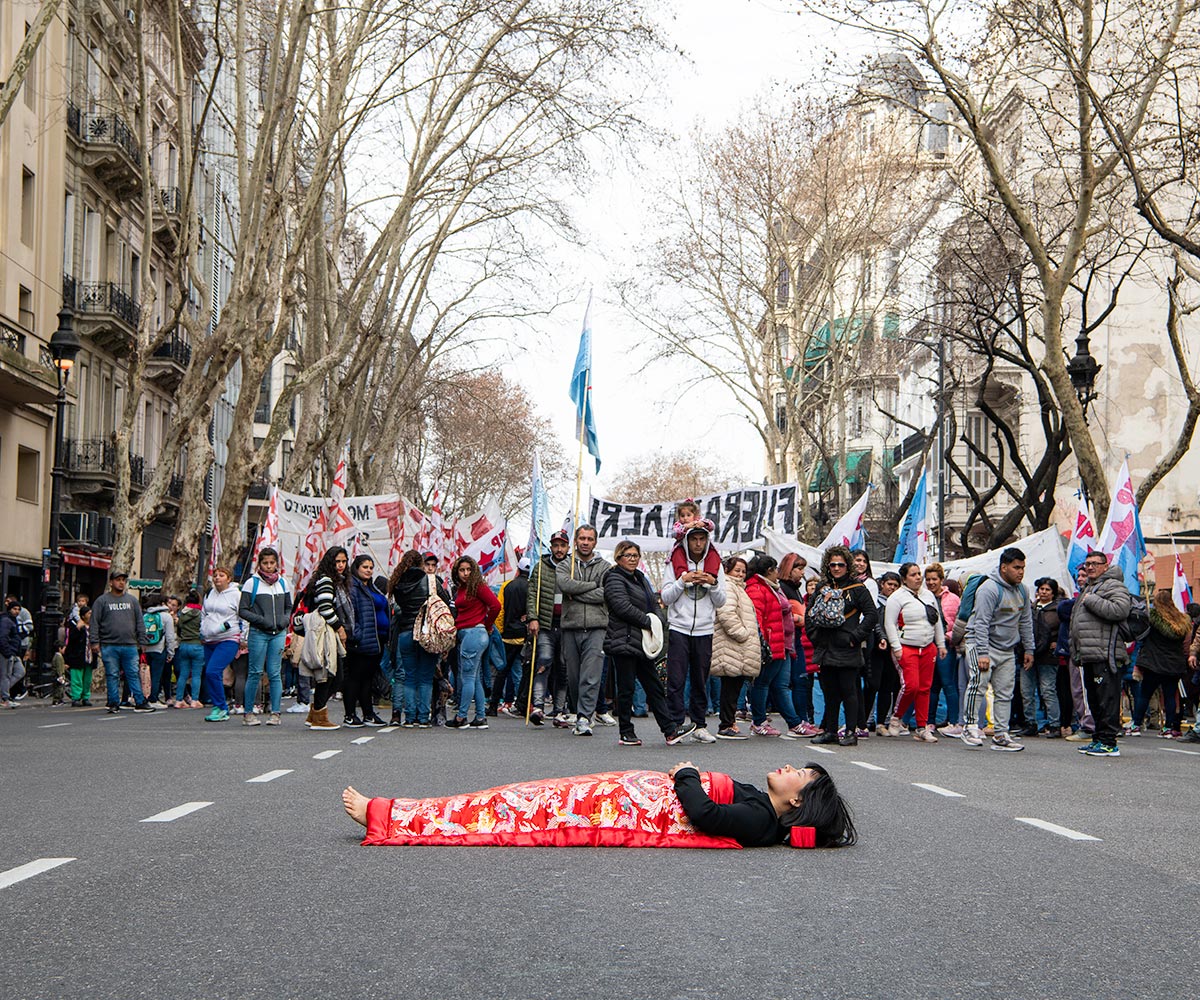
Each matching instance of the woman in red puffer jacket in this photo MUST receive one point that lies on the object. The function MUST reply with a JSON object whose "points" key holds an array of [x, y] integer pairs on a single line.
{"points": [[762, 587]]}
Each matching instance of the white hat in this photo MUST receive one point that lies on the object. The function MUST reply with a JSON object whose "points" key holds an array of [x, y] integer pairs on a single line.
{"points": [[523, 564], [652, 638]]}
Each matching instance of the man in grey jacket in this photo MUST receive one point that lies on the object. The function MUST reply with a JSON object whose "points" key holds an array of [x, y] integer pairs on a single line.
{"points": [[1001, 625], [1103, 603], [584, 623], [115, 632]]}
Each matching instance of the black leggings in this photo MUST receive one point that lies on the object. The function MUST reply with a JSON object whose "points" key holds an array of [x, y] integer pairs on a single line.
{"points": [[359, 677], [840, 685], [731, 691], [627, 669], [321, 693], [871, 675], [889, 687]]}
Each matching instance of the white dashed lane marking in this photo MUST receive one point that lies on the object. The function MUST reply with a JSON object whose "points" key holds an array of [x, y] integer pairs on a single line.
{"points": [[326, 754], [821, 750], [1062, 831], [1190, 753], [868, 767], [55, 725], [22, 872], [269, 776], [363, 739], [939, 790], [170, 815], [388, 729]]}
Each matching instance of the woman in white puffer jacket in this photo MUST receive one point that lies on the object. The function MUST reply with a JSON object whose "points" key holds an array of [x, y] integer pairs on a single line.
{"points": [[737, 652], [912, 621]]}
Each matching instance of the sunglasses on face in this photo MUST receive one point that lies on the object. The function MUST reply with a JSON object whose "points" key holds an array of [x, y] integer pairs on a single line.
{"points": [[837, 565]]}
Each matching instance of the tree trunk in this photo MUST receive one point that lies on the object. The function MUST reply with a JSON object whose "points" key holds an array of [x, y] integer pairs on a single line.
{"points": [[193, 513]]}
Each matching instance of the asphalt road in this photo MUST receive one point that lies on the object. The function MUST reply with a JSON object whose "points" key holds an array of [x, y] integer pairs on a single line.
{"points": [[267, 893]]}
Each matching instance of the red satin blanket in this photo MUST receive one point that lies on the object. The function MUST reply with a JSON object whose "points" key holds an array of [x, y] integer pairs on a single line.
{"points": [[616, 809]]}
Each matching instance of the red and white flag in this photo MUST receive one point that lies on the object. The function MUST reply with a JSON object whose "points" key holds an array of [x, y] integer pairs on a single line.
{"points": [[311, 551], [268, 532], [1181, 591], [214, 553], [849, 530]]}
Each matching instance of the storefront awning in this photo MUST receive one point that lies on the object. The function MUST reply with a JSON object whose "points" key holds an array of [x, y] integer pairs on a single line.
{"points": [[86, 559], [858, 469]]}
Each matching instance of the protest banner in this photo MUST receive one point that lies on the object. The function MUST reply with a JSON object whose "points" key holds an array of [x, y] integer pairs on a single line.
{"points": [[740, 517]]}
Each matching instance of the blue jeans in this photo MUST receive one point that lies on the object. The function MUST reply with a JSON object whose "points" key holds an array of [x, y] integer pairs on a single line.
{"points": [[158, 662], [189, 663], [802, 686], [217, 656], [264, 650], [393, 669], [639, 701], [118, 660], [776, 679], [945, 681], [472, 645], [495, 660], [416, 667]]}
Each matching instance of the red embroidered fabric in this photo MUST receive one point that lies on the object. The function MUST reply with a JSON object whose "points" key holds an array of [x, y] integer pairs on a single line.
{"points": [[614, 809]]}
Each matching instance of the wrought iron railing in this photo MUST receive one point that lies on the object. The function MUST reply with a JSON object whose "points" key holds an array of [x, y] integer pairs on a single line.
{"points": [[103, 128], [106, 297], [175, 348]]}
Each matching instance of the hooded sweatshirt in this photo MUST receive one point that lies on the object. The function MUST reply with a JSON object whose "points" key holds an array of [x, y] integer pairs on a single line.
{"points": [[1003, 616], [220, 621], [168, 642], [692, 607]]}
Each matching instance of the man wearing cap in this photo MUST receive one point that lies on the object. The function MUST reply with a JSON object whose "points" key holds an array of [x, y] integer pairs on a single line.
{"points": [[584, 624], [116, 633], [543, 619], [512, 626], [694, 588]]}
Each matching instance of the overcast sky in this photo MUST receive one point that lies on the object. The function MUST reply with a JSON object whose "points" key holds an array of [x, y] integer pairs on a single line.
{"points": [[736, 49]]}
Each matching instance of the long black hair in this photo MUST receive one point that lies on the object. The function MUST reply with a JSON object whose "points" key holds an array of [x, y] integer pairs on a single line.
{"points": [[823, 808], [327, 567]]}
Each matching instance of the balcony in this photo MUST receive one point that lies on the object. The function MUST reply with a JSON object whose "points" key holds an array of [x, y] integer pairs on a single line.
{"points": [[169, 362], [104, 312], [166, 217], [260, 488], [108, 148], [175, 487], [91, 464], [22, 379]]}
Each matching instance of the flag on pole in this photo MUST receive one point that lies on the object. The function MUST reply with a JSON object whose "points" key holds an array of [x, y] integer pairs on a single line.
{"points": [[1181, 592], [539, 527], [1121, 540], [311, 551], [436, 540], [268, 531], [1083, 539], [913, 544], [339, 525], [849, 530], [581, 388]]}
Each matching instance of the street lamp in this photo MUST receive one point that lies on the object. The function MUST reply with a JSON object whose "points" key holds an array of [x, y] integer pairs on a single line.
{"points": [[1083, 369], [64, 346]]}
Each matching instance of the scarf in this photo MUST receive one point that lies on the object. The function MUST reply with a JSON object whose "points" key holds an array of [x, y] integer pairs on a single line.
{"points": [[270, 579]]}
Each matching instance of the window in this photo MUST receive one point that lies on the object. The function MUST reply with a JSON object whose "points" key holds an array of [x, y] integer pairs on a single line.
{"points": [[860, 399], [976, 432], [781, 413], [868, 131], [91, 246], [783, 342], [868, 273], [69, 234], [28, 474], [783, 283], [25, 307], [262, 411], [28, 207]]}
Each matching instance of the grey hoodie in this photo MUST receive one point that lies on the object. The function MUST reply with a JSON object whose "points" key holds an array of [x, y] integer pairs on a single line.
{"points": [[168, 643], [117, 621], [692, 607], [1003, 616]]}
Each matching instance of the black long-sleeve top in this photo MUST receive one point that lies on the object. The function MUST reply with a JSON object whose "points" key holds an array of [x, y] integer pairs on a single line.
{"points": [[750, 819]]}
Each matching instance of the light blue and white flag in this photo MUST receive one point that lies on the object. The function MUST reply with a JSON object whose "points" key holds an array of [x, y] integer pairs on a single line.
{"points": [[913, 544], [581, 388], [539, 528]]}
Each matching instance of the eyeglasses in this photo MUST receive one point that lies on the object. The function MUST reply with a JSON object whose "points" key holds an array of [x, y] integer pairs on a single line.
{"points": [[837, 565], [629, 555]]}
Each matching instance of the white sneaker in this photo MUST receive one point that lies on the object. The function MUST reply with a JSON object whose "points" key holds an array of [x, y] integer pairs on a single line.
{"points": [[298, 709], [703, 736], [582, 726], [570, 718], [237, 710], [972, 737], [605, 719]]}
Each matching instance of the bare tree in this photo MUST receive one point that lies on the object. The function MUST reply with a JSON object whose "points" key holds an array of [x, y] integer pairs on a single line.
{"points": [[11, 85], [669, 475]]}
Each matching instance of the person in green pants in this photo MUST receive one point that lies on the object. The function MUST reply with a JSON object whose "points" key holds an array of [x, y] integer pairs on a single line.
{"points": [[79, 660]]}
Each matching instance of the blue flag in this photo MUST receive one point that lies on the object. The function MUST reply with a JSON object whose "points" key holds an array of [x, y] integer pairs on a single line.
{"points": [[913, 544], [581, 388], [539, 528]]}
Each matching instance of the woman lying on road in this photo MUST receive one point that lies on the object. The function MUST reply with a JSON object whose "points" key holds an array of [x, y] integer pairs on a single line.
{"points": [[682, 808]]}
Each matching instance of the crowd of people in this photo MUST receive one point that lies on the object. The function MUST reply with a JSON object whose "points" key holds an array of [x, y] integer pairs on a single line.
{"points": [[836, 653]]}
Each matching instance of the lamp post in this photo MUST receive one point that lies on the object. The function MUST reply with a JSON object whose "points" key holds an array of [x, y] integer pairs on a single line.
{"points": [[64, 346], [1082, 370]]}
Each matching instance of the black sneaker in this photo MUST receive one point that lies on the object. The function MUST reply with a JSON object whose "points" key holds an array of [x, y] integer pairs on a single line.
{"points": [[1190, 737], [113, 709], [492, 712], [145, 708], [479, 723], [353, 722], [424, 725], [537, 719], [681, 733], [456, 723], [374, 721], [409, 725], [629, 741]]}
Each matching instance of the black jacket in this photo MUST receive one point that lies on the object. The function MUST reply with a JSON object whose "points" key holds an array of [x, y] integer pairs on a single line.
{"points": [[842, 646], [750, 819], [10, 636], [514, 608], [1162, 652], [1045, 634], [630, 600], [410, 594]]}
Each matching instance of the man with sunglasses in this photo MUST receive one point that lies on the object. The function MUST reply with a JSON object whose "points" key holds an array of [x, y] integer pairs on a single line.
{"points": [[1103, 603]]}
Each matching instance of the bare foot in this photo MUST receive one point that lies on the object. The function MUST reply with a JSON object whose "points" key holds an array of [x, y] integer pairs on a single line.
{"points": [[356, 805]]}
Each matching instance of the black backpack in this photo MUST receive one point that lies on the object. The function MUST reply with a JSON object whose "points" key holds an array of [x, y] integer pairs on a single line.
{"points": [[1136, 625]]}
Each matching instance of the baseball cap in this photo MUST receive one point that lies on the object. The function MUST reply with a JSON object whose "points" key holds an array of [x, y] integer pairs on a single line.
{"points": [[115, 573], [560, 536], [429, 555], [523, 564]]}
